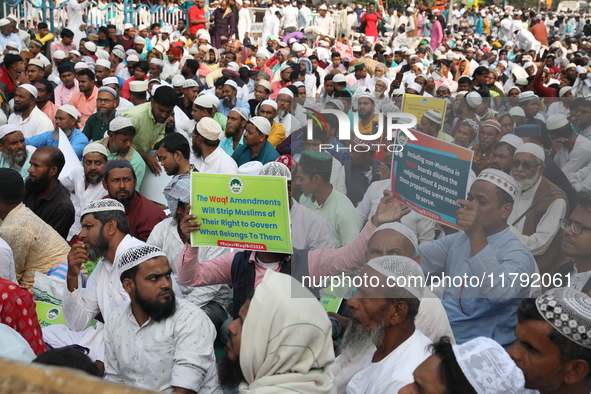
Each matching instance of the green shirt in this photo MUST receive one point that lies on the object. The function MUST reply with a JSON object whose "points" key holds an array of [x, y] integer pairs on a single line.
{"points": [[148, 132], [94, 130], [445, 137], [339, 212], [221, 119]]}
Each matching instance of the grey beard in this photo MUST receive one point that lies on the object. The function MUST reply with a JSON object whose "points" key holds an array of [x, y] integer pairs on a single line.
{"points": [[56, 134], [282, 114], [14, 161], [528, 183], [104, 116], [356, 340], [231, 103]]}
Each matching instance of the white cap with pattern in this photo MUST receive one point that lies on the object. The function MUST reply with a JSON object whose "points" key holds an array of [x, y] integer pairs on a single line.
{"points": [[104, 205], [406, 272], [136, 255]]}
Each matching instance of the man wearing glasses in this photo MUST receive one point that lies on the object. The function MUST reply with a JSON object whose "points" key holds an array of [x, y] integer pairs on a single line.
{"points": [[98, 123], [538, 208], [576, 244], [582, 117]]}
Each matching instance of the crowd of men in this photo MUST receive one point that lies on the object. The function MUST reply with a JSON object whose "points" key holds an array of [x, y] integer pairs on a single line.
{"points": [[146, 309]]}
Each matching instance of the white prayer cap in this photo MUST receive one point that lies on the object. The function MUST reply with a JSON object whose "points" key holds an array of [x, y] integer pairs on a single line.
{"points": [[504, 63], [103, 63], [242, 112], [233, 66], [157, 62], [111, 81], [262, 53], [138, 86], [556, 121], [127, 26], [568, 311], [139, 40], [30, 88], [271, 103], [109, 90], [204, 101], [119, 46], [12, 44], [8, 129], [250, 168], [91, 46], [322, 7], [488, 367], [561, 92], [12, 16], [118, 53], [104, 205], [210, 129], [142, 27], [70, 110], [95, 147], [37, 62], [512, 140], [132, 58], [526, 96], [75, 52], [400, 267], [4, 22], [136, 255], [214, 100], [528, 64], [189, 83], [521, 82], [338, 103], [284, 91], [534, 149], [415, 86], [178, 80], [517, 111], [275, 168], [433, 116], [570, 65], [101, 54], [339, 78], [59, 54], [262, 124], [402, 229], [232, 83], [473, 100], [297, 47], [501, 180], [80, 65], [120, 123], [356, 48]]}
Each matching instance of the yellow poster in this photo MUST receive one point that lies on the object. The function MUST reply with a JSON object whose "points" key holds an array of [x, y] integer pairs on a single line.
{"points": [[419, 105]]}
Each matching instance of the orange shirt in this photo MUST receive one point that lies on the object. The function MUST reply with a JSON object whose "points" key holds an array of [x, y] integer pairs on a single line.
{"points": [[50, 109], [85, 106]]}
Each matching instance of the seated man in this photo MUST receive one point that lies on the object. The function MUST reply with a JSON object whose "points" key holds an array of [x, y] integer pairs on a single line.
{"points": [[554, 358], [66, 119], [279, 341], [85, 183], [14, 152], [120, 183], [208, 156], [256, 145], [106, 107], [157, 342], [487, 246], [44, 194], [36, 246], [478, 366], [386, 316], [119, 146]]}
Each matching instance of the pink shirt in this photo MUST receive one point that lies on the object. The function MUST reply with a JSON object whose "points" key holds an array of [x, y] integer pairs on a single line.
{"points": [[63, 95], [85, 106], [351, 257]]}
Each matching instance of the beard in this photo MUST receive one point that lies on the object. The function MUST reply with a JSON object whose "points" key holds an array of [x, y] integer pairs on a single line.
{"points": [[528, 183], [231, 103], [282, 114], [15, 160], [169, 128], [356, 340], [93, 178], [230, 132], [100, 249], [229, 373], [19, 109], [157, 310], [126, 201], [197, 151], [104, 116], [39, 185], [377, 94]]}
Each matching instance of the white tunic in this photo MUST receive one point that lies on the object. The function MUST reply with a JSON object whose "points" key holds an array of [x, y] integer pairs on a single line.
{"points": [[326, 23], [175, 352], [218, 162], [271, 26], [579, 157], [81, 196], [309, 230], [75, 20], [244, 22], [393, 372], [290, 17], [36, 123]]}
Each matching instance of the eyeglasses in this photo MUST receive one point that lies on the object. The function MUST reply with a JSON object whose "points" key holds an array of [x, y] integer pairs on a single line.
{"points": [[525, 164], [283, 101], [443, 91], [99, 100], [575, 227]]}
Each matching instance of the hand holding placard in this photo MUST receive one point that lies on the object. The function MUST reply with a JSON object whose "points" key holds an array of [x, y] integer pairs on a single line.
{"points": [[188, 224]]}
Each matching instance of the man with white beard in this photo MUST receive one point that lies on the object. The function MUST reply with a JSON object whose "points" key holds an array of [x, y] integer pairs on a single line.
{"points": [[538, 207], [284, 116], [385, 317], [13, 150]]}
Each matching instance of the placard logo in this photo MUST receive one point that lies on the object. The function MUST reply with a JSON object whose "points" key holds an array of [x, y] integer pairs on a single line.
{"points": [[52, 314], [235, 185]]}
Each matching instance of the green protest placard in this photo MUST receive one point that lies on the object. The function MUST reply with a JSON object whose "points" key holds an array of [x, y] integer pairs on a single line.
{"points": [[330, 300], [243, 212]]}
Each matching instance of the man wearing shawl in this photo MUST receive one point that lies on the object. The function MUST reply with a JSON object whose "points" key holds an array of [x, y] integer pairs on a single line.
{"points": [[287, 339], [224, 24]]}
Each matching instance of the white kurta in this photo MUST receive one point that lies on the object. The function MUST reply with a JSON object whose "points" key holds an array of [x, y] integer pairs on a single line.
{"points": [[309, 231], [290, 17], [579, 157], [175, 352], [81, 196], [75, 20], [218, 162], [244, 23], [36, 123], [326, 23], [291, 124], [271, 26], [393, 372], [547, 227]]}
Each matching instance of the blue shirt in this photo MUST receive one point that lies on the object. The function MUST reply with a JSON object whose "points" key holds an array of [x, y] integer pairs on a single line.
{"points": [[489, 311], [222, 109], [227, 144], [77, 139], [242, 154]]}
